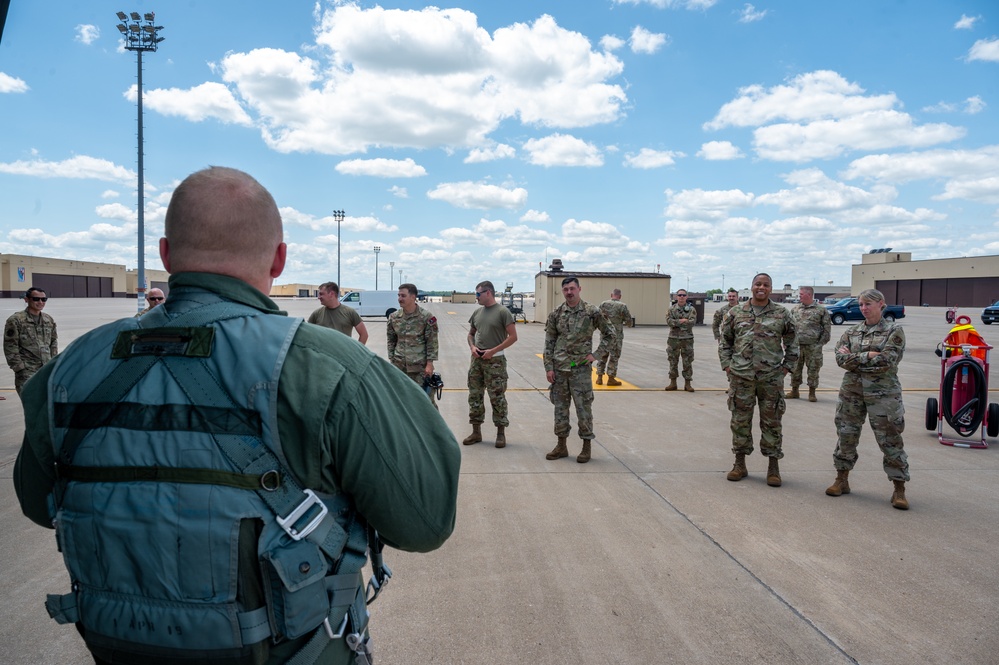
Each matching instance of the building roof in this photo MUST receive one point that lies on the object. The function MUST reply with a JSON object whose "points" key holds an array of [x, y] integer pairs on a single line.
{"points": [[626, 275]]}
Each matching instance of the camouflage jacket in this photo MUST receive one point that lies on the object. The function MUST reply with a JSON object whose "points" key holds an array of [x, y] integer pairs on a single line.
{"points": [[859, 340], [569, 335], [757, 346], [617, 313], [717, 320], [29, 345], [812, 323], [679, 330], [412, 339]]}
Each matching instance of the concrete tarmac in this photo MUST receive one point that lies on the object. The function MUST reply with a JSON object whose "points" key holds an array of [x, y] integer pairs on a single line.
{"points": [[645, 554]]}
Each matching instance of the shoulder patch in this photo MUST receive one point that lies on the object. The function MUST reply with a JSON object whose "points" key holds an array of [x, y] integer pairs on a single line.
{"points": [[432, 322]]}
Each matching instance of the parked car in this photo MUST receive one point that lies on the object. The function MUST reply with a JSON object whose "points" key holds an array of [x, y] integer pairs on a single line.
{"points": [[848, 309], [990, 313], [372, 303]]}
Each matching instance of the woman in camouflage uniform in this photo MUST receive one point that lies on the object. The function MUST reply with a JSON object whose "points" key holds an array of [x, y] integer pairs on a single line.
{"points": [[870, 353]]}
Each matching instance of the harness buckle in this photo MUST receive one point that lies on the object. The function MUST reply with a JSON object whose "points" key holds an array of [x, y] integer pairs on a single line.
{"points": [[339, 631], [288, 523]]}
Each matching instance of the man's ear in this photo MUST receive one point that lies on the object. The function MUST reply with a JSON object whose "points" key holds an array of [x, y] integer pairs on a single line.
{"points": [[280, 257], [165, 253]]}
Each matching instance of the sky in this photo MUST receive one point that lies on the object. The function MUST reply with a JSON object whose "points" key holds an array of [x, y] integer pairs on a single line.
{"points": [[705, 139]]}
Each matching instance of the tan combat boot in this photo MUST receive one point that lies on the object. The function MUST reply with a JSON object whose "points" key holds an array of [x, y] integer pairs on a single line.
{"points": [[500, 436], [898, 499], [475, 436], [600, 380], [611, 381], [559, 451], [773, 473], [841, 485], [811, 394], [792, 393], [584, 456], [686, 386], [672, 385], [738, 471]]}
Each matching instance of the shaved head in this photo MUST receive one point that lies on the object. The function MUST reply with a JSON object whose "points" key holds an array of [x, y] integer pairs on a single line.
{"points": [[220, 220]]}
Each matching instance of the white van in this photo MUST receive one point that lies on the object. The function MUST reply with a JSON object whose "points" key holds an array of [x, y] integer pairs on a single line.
{"points": [[372, 303]]}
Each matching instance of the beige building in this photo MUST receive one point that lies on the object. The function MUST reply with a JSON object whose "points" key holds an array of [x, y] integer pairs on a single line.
{"points": [[646, 294], [965, 282], [155, 279], [61, 278]]}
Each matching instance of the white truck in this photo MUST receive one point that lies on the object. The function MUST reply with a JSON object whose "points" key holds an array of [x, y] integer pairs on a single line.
{"points": [[372, 303]]}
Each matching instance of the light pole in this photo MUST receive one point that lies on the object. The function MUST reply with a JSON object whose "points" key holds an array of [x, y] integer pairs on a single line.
{"points": [[140, 34], [338, 215], [377, 249], [391, 270], [400, 276]]}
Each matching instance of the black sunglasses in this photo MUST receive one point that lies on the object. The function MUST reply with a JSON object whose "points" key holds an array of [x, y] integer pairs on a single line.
{"points": [[39, 299]]}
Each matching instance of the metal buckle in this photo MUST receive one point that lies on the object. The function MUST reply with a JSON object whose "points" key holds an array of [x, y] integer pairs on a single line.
{"points": [[375, 585], [288, 523], [339, 631]]}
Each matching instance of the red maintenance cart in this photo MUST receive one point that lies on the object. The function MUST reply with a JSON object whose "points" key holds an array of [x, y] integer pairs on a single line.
{"points": [[964, 388]]}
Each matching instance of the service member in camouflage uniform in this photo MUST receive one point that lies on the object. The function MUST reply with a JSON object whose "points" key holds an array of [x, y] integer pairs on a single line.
{"points": [[29, 338], [154, 297], [567, 357], [814, 327], [681, 318], [733, 299], [412, 337], [870, 353], [757, 349], [492, 329], [617, 313]]}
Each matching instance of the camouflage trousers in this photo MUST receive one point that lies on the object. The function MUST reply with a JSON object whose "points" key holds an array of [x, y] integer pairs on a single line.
{"points": [[886, 413], [21, 377], [680, 348], [810, 358], [743, 395], [577, 385], [607, 361], [487, 376], [417, 375]]}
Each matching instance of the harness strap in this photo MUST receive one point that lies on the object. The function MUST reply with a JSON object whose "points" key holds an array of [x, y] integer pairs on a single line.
{"points": [[124, 474]]}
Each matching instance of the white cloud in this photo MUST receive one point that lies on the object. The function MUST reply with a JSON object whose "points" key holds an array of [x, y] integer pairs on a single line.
{"points": [[499, 151], [749, 14], [79, 167], [985, 49], [651, 159], [399, 192], [292, 217], [597, 234], [973, 105], [535, 216], [116, 211], [87, 34], [643, 41], [719, 151], [966, 22], [611, 42], [11, 84], [478, 195], [382, 168], [699, 204], [110, 194], [563, 150], [671, 4], [208, 100]]}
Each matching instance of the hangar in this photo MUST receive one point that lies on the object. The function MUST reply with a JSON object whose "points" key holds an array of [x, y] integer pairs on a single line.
{"points": [[966, 282]]}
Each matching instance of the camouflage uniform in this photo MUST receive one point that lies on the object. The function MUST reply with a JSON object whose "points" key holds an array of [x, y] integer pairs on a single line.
{"points": [[28, 344], [681, 340], [412, 342], [870, 388], [757, 344], [568, 340], [717, 320], [617, 313], [489, 375], [814, 327]]}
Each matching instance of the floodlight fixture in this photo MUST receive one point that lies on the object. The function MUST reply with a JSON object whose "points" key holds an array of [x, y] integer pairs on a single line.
{"points": [[135, 16], [122, 29], [122, 16]]}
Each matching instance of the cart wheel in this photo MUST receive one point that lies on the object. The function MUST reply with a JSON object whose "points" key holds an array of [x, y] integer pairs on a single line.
{"points": [[933, 413], [992, 429]]}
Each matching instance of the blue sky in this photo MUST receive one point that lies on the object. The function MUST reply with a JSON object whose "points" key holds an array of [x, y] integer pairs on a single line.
{"points": [[479, 140]]}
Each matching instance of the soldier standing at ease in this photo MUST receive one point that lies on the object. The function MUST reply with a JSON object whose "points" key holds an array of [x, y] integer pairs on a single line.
{"points": [[733, 299], [567, 357], [29, 338], [757, 349], [681, 319], [492, 329], [412, 337], [154, 298], [333, 314], [617, 313], [814, 327], [870, 353]]}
